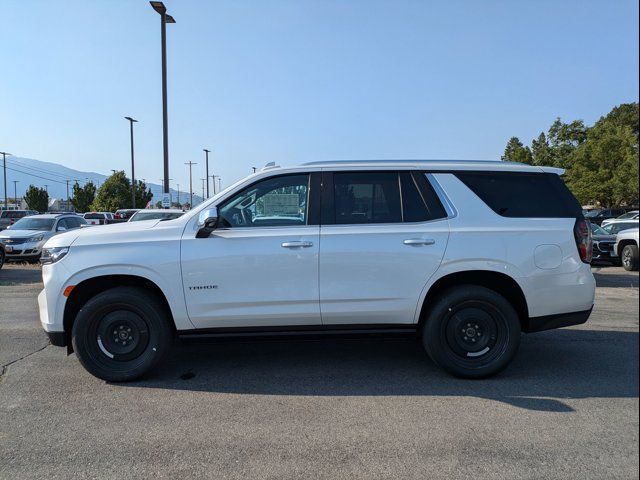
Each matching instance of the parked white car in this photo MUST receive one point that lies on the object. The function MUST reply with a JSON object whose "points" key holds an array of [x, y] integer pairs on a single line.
{"points": [[466, 255], [626, 248], [97, 218], [632, 215], [24, 239]]}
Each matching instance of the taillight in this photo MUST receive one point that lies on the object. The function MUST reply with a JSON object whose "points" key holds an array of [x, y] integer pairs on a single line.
{"points": [[582, 233]]}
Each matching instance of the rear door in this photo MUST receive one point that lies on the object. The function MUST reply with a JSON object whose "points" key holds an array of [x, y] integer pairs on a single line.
{"points": [[383, 235]]}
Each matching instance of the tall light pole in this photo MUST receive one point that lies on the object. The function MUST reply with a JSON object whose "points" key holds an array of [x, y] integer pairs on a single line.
{"points": [[178, 193], [133, 171], [219, 184], [254, 169], [164, 19], [4, 169], [203, 180], [191, 164], [213, 180], [206, 168], [15, 192], [68, 193]]}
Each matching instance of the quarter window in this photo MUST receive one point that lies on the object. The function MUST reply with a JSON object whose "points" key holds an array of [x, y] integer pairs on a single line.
{"points": [[274, 202]]}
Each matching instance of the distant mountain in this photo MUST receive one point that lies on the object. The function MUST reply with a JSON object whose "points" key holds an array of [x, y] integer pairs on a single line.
{"points": [[28, 171]]}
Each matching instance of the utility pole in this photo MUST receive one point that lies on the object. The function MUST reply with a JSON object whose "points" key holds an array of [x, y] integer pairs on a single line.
{"points": [[206, 174], [191, 164], [203, 180], [4, 168], [133, 174], [164, 19], [178, 193], [219, 184], [15, 193], [213, 180], [67, 193]]}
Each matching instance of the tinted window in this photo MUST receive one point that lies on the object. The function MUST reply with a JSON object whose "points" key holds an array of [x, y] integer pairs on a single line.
{"points": [[276, 201], [30, 223], [419, 202], [62, 224], [94, 216], [614, 228], [513, 194], [366, 197]]}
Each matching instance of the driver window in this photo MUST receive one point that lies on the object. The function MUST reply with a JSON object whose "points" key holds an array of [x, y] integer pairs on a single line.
{"points": [[62, 225], [274, 202]]}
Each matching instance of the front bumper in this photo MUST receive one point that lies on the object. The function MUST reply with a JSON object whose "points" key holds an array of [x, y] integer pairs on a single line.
{"points": [[23, 250]]}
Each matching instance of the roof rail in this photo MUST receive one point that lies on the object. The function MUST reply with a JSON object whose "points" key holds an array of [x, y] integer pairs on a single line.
{"points": [[269, 166]]}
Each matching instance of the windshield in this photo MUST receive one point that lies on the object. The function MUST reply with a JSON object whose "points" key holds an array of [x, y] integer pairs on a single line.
{"points": [[155, 216], [30, 223], [93, 216], [614, 228], [598, 230]]}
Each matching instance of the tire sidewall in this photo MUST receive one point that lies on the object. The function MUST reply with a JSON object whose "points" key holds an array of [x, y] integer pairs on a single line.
{"points": [[436, 344], [632, 252], [84, 338]]}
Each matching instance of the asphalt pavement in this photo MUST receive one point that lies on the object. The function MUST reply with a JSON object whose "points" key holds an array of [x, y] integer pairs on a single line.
{"points": [[566, 408]]}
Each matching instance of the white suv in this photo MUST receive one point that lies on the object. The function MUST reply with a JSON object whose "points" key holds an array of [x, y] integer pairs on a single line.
{"points": [[466, 255]]}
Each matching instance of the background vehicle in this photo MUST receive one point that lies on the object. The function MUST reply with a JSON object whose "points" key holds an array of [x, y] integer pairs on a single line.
{"points": [[616, 226], [9, 217], [25, 238], [98, 218], [597, 216], [153, 214], [463, 255], [603, 243], [632, 215], [125, 213], [626, 248]]}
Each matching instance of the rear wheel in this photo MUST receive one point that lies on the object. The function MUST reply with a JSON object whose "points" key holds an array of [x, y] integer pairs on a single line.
{"points": [[630, 258], [120, 334], [471, 332]]}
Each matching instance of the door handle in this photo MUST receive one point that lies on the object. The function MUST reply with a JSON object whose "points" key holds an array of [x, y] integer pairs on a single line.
{"points": [[419, 241], [297, 244]]}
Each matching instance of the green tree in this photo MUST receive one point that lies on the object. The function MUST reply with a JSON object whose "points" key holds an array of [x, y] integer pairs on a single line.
{"points": [[37, 199], [83, 196], [115, 193], [564, 138], [604, 168], [515, 151], [541, 151]]}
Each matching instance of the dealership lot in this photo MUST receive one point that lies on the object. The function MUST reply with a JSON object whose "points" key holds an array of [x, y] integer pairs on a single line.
{"points": [[566, 408]]}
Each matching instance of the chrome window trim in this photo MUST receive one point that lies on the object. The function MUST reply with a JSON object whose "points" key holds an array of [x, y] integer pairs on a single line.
{"points": [[444, 199]]}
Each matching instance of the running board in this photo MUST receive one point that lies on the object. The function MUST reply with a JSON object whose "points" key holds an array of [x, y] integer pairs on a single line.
{"points": [[319, 331]]}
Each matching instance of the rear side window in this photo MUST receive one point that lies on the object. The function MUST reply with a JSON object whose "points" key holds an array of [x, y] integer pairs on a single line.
{"points": [[419, 201], [515, 194], [366, 197]]}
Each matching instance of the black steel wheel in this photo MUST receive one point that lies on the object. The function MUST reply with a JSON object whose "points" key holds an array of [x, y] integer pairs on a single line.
{"points": [[120, 334], [471, 332]]}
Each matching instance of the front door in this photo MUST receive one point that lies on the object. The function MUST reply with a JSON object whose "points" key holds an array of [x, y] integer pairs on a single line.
{"points": [[259, 268], [383, 236]]}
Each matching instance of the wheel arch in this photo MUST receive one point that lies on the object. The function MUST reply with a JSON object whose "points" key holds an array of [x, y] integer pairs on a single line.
{"points": [[91, 287], [624, 243], [500, 283]]}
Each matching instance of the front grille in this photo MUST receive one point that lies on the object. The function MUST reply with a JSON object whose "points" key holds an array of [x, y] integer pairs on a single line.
{"points": [[14, 241], [604, 247]]}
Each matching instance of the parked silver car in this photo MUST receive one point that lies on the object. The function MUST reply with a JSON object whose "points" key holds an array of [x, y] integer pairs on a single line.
{"points": [[24, 239]]}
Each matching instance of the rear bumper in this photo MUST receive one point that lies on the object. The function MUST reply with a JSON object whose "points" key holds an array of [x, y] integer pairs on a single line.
{"points": [[549, 322]]}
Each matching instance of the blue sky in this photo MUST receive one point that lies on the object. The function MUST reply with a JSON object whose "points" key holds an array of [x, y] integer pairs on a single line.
{"points": [[292, 81]]}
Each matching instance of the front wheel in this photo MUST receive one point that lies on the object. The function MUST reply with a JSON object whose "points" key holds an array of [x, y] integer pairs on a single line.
{"points": [[630, 258], [471, 332], [121, 333]]}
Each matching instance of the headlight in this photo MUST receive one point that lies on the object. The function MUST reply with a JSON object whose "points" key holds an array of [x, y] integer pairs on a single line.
{"points": [[52, 255], [37, 238]]}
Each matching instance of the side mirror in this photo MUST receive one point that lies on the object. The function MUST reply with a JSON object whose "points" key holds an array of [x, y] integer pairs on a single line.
{"points": [[207, 222]]}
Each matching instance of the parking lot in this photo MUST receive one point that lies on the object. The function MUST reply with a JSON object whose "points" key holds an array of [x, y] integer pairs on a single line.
{"points": [[566, 408]]}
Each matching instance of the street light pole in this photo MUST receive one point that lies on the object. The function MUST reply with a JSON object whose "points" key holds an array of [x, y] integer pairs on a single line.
{"points": [[15, 192], [219, 184], [203, 197], [133, 172], [206, 175], [191, 164], [164, 19], [213, 180], [4, 169]]}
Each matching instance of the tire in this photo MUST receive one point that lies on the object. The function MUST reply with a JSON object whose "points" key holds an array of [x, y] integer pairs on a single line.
{"points": [[630, 258], [121, 334], [1, 257], [466, 313]]}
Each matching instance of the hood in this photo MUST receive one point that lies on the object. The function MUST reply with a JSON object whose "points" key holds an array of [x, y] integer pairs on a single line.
{"points": [[10, 233], [604, 238], [112, 234]]}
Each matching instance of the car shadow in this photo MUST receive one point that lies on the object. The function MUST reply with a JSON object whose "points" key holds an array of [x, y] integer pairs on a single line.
{"points": [[616, 280], [550, 367]]}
